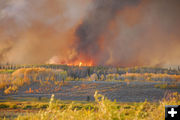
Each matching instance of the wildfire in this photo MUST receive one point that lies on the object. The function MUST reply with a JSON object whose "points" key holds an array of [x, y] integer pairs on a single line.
{"points": [[80, 64]]}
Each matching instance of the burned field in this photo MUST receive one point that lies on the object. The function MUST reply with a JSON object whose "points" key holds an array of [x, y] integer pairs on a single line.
{"points": [[119, 91], [79, 83]]}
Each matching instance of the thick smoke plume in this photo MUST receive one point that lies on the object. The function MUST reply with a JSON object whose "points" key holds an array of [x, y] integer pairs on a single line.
{"points": [[131, 32], [104, 32], [96, 23]]}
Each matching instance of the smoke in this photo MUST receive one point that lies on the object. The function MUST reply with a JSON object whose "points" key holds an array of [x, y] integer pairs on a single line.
{"points": [[131, 32], [95, 23], [107, 32], [34, 31], [148, 34]]}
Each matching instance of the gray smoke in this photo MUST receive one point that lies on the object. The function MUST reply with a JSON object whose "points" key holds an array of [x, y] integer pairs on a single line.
{"points": [[33, 31], [108, 32], [96, 22], [145, 33]]}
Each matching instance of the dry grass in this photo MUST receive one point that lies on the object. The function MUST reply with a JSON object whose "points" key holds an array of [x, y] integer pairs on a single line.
{"points": [[104, 109], [150, 77]]}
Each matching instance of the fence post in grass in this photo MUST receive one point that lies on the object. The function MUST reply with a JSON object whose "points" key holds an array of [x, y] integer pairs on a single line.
{"points": [[63, 80], [39, 98], [88, 98]]}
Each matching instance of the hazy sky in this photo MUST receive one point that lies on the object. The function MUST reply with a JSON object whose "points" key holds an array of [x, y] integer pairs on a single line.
{"points": [[105, 32]]}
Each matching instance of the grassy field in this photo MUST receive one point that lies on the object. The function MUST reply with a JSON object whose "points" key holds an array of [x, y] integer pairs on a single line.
{"points": [[100, 109]]}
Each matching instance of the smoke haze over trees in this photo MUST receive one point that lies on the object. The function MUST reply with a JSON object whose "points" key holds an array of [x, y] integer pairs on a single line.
{"points": [[107, 32]]}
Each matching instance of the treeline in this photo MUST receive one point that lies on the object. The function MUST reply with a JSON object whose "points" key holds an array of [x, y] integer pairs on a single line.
{"points": [[85, 71], [16, 66], [82, 72]]}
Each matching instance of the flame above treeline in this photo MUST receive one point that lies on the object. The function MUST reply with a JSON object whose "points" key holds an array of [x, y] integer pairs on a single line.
{"points": [[90, 32], [77, 62], [80, 64]]}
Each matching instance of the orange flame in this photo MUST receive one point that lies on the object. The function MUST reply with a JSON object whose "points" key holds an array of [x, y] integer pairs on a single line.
{"points": [[80, 64]]}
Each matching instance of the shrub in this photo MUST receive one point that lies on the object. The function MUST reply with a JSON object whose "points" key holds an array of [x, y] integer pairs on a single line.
{"points": [[166, 86], [10, 83], [11, 90], [43, 106], [14, 106], [4, 106], [28, 107]]}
